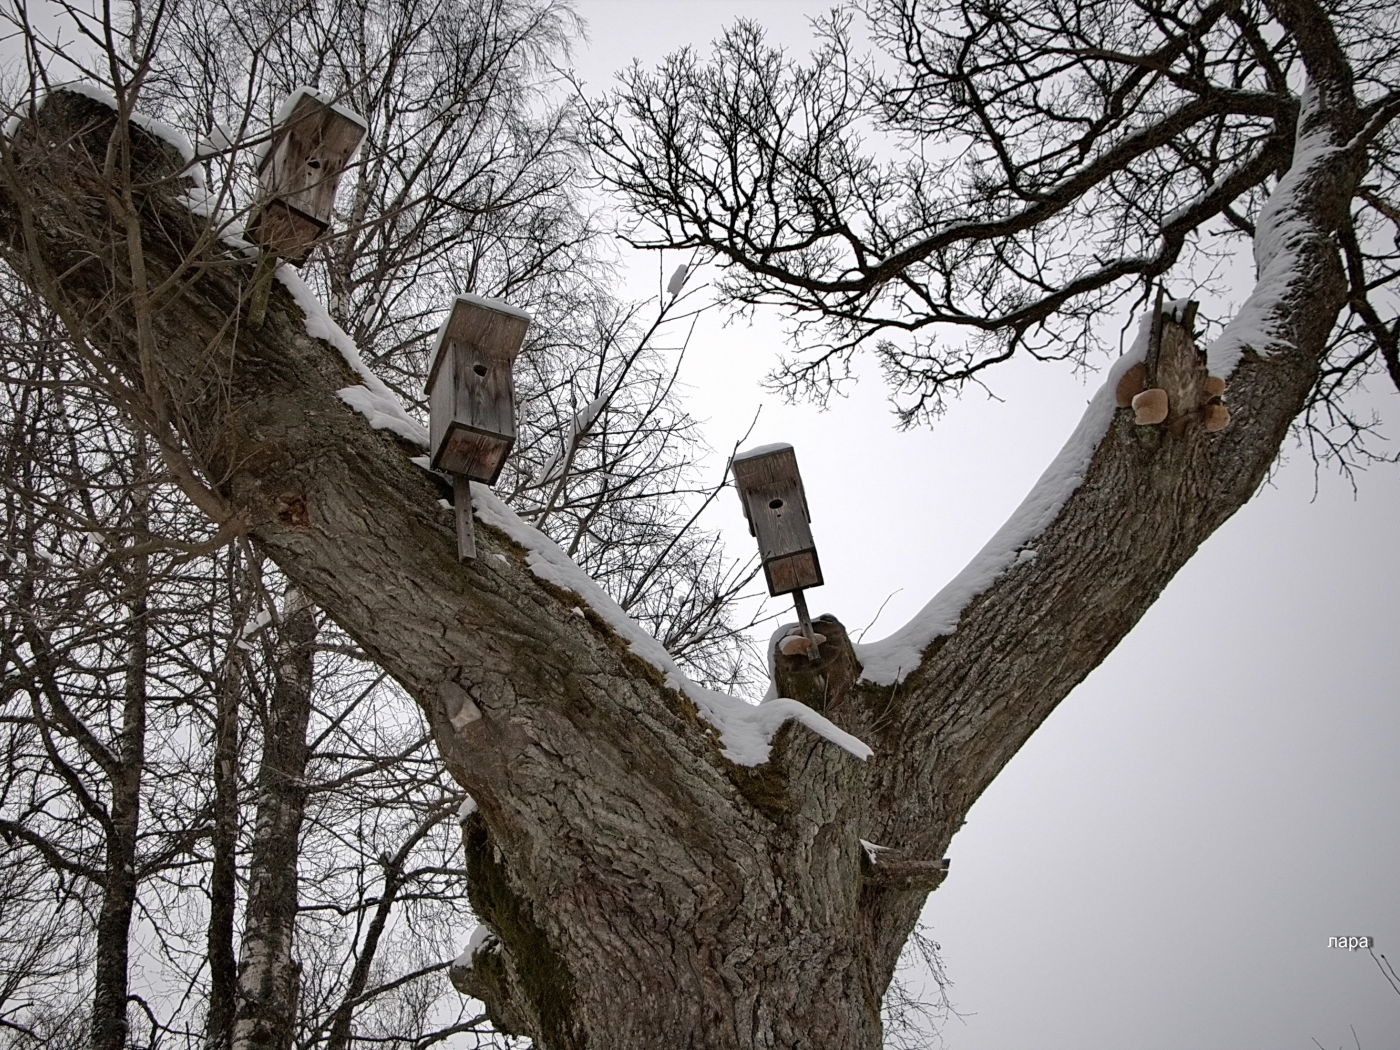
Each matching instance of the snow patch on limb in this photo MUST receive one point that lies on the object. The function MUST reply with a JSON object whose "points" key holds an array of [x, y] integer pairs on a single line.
{"points": [[745, 730], [891, 659], [481, 937], [873, 850], [159, 128], [383, 411], [1279, 235], [372, 398], [585, 417]]}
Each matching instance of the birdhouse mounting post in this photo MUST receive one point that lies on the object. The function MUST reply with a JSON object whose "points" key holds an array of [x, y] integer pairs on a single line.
{"points": [[262, 288], [1154, 340], [804, 620], [462, 511]]}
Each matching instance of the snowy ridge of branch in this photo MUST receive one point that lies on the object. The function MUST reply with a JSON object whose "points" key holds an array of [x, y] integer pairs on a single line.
{"points": [[891, 659], [159, 128], [372, 398], [746, 730], [1280, 232]]}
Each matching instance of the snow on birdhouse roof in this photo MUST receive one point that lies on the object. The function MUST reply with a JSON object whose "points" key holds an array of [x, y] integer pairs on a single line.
{"points": [[499, 305], [481, 302], [761, 450], [289, 106]]}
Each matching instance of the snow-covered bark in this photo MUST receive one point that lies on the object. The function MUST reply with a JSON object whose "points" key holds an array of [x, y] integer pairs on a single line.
{"points": [[646, 882]]}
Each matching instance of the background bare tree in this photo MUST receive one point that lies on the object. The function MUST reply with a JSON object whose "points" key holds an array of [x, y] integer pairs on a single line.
{"points": [[380, 902], [1069, 157]]}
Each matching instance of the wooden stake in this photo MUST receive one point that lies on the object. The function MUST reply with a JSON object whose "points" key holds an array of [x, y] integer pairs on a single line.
{"points": [[262, 287], [1154, 341], [804, 619], [462, 506]]}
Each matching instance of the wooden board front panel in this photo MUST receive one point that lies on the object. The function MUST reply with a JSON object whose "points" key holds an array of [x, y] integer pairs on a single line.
{"points": [[484, 389], [778, 515], [473, 454], [793, 572]]}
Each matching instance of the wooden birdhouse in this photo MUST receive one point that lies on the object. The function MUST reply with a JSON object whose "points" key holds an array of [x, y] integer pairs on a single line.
{"points": [[312, 145], [776, 508], [471, 393], [471, 399]]}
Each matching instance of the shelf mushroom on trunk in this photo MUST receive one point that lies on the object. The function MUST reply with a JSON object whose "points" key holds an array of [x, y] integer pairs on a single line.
{"points": [[775, 505], [471, 399], [312, 143]]}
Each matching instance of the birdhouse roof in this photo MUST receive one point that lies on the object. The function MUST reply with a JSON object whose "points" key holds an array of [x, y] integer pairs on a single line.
{"points": [[289, 106], [767, 465], [490, 324], [761, 450]]}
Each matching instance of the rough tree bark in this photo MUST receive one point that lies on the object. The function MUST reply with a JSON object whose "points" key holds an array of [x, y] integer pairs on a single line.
{"points": [[643, 890]]}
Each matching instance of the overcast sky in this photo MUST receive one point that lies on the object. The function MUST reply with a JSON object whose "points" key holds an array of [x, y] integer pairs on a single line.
{"points": [[1162, 865]]}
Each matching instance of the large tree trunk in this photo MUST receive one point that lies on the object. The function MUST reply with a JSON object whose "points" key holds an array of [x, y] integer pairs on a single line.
{"points": [[643, 889]]}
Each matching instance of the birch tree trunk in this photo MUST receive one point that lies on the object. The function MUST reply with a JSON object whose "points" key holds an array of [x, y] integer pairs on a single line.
{"points": [[223, 875], [268, 975], [124, 766], [641, 888]]}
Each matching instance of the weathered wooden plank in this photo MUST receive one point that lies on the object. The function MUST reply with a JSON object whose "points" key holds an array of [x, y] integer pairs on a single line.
{"points": [[471, 389], [775, 504], [462, 510]]}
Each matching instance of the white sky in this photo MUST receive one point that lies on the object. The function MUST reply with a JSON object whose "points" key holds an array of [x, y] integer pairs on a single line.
{"points": [[1162, 865]]}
